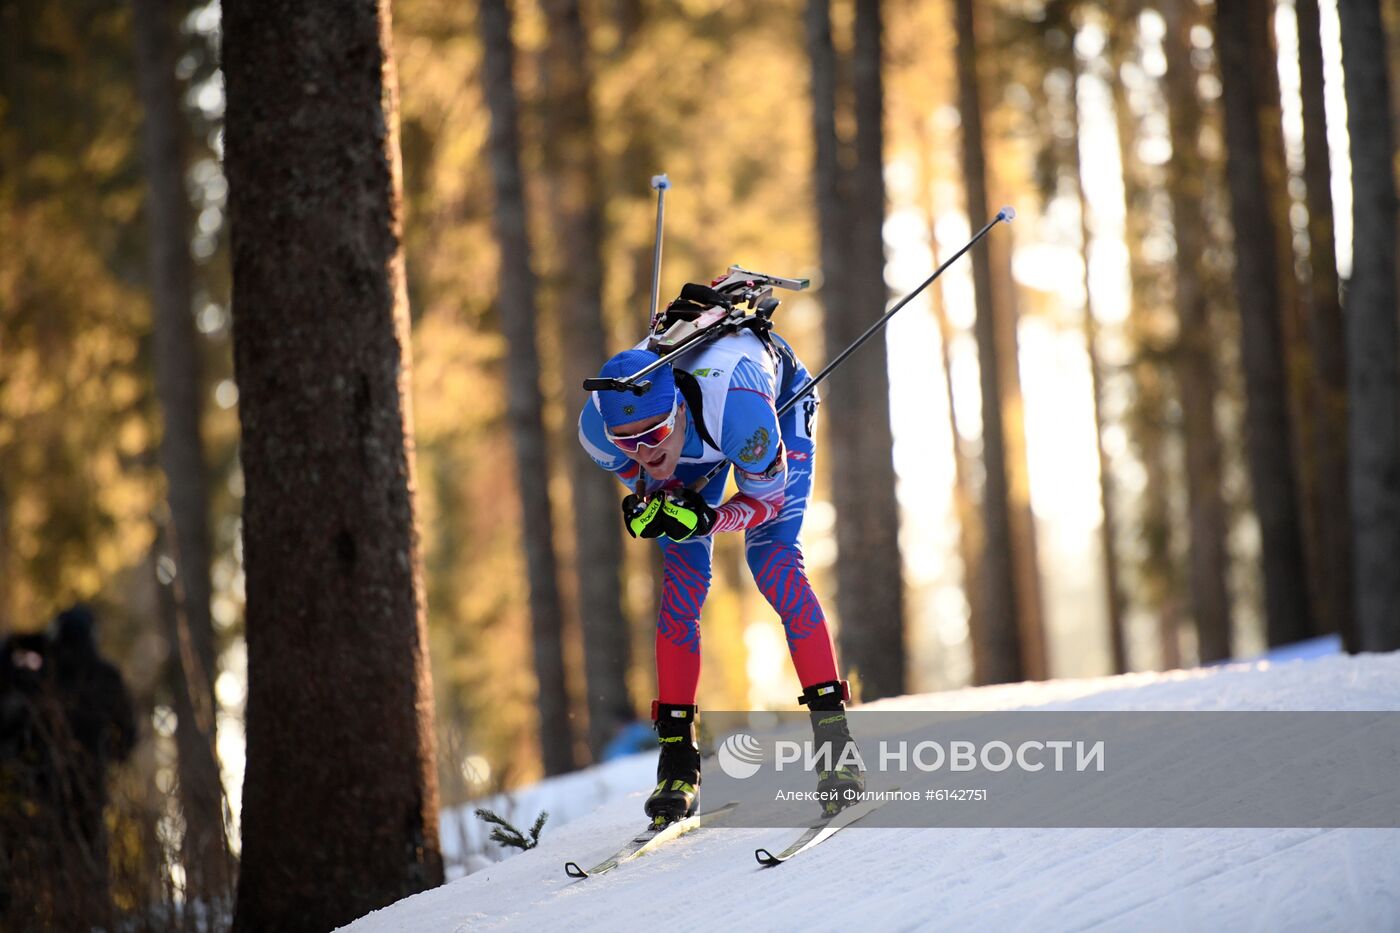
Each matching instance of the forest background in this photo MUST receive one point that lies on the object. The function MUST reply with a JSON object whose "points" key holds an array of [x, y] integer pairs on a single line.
{"points": [[1120, 435]]}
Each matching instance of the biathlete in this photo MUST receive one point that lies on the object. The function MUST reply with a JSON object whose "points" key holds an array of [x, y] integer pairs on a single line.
{"points": [[718, 405]]}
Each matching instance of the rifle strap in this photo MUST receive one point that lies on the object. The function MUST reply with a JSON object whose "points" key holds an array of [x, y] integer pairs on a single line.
{"points": [[694, 400]]}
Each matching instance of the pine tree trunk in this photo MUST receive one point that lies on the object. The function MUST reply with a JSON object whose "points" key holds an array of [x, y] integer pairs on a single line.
{"points": [[641, 158], [1208, 558], [1299, 367], [1147, 421], [965, 505], [524, 402], [205, 854], [827, 174], [1273, 477], [1325, 330], [869, 575], [1030, 610], [1113, 589], [340, 796], [1373, 337], [850, 212], [1009, 596], [571, 157]]}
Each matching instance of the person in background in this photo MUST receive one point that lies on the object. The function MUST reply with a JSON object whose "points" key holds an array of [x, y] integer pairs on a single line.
{"points": [[66, 718]]}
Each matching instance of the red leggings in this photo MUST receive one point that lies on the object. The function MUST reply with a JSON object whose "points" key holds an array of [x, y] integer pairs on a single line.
{"points": [[778, 571]]}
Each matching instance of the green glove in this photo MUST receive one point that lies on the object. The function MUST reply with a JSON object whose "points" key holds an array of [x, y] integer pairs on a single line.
{"points": [[642, 516], [686, 514]]}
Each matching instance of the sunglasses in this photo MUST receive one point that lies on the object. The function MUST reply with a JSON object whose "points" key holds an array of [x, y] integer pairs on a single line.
{"points": [[651, 437]]}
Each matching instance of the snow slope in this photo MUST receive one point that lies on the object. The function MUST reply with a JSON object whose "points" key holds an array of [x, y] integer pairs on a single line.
{"points": [[994, 879]]}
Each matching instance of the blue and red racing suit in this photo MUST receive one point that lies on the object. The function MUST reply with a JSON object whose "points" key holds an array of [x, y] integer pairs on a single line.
{"points": [[733, 387]]}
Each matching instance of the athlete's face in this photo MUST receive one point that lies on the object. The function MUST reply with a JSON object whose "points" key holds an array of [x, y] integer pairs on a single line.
{"points": [[659, 461]]}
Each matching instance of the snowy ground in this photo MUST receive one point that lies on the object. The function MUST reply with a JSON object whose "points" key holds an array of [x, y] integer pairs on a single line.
{"points": [[993, 879]]}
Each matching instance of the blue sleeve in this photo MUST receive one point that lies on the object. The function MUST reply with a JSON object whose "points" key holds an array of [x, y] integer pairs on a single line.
{"points": [[594, 440], [750, 438]]}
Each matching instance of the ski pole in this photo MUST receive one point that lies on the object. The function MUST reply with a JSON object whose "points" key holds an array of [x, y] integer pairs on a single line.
{"points": [[1007, 214], [660, 183]]}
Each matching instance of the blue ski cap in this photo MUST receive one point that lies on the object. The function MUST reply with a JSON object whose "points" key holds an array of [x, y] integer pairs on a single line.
{"points": [[623, 407]]}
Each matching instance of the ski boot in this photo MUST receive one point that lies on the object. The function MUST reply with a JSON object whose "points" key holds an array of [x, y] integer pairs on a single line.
{"points": [[842, 777], [678, 769]]}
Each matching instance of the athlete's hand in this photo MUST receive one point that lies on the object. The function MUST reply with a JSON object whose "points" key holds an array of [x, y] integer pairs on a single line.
{"points": [[686, 514], [641, 516]]}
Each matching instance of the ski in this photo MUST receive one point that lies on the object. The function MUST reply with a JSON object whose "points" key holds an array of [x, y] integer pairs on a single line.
{"points": [[645, 841], [819, 832]]}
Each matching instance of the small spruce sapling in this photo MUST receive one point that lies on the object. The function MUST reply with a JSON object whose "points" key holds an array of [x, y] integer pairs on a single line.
{"points": [[507, 835]]}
